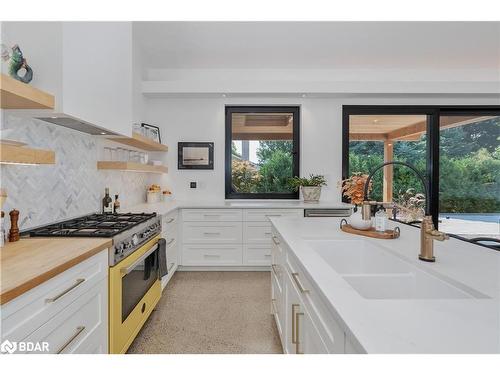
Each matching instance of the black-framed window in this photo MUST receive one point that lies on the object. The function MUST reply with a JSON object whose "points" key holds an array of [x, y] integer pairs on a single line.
{"points": [[262, 151], [456, 147]]}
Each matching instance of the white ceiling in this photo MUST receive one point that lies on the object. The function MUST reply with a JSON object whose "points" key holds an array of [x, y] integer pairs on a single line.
{"points": [[326, 45]]}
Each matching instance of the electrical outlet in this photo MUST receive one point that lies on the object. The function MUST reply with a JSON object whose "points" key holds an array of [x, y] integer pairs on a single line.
{"points": [[192, 184]]}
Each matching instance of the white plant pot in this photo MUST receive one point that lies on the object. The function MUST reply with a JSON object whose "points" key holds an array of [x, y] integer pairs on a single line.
{"points": [[357, 222], [311, 193]]}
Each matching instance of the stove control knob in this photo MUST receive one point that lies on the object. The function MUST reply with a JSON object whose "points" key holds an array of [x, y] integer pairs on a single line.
{"points": [[135, 239]]}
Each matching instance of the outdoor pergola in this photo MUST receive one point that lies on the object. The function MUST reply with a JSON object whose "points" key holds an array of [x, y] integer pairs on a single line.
{"points": [[393, 128]]}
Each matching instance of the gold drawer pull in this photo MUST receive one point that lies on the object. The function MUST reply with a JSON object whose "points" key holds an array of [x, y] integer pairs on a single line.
{"points": [[297, 341], [171, 240], [211, 233], [274, 310], [54, 299], [171, 266], [71, 339], [273, 215], [273, 266], [294, 329], [268, 233], [295, 276], [275, 240], [170, 220]]}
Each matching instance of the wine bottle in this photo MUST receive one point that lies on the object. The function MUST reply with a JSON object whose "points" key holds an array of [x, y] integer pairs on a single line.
{"points": [[107, 207]]}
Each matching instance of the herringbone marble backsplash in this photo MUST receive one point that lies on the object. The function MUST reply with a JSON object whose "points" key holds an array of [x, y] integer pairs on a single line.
{"points": [[73, 186]]}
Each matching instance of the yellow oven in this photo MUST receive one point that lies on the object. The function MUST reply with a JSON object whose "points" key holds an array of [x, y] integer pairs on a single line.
{"points": [[134, 290]]}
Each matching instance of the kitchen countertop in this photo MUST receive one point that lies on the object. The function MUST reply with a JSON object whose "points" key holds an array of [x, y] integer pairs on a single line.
{"points": [[164, 208], [29, 262], [407, 325]]}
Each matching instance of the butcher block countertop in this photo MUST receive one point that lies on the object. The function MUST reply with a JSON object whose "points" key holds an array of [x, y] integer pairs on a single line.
{"points": [[29, 262]]}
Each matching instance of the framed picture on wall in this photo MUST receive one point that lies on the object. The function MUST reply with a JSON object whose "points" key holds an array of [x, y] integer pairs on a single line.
{"points": [[195, 155], [151, 131]]}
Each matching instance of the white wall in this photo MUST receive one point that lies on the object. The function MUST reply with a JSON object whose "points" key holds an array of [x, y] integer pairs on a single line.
{"points": [[202, 119]]}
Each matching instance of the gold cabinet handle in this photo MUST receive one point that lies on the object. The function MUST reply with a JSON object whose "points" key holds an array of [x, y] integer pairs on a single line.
{"points": [[171, 240], [295, 276], [170, 220], [273, 266], [297, 341], [294, 329], [71, 339], [171, 266], [275, 240], [54, 299], [274, 310]]}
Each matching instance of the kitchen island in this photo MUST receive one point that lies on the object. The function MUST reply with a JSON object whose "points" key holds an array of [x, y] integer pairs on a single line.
{"points": [[351, 294]]}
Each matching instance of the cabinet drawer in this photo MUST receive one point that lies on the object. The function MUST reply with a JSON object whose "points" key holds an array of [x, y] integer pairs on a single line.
{"points": [[257, 233], [211, 215], [211, 255], [206, 233], [259, 214], [257, 255], [170, 232], [172, 254], [79, 328], [26, 313]]}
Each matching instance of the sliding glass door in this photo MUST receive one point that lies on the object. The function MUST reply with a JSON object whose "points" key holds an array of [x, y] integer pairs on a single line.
{"points": [[456, 148], [469, 173]]}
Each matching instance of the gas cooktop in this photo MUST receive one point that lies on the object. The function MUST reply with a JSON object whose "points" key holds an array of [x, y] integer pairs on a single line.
{"points": [[95, 225]]}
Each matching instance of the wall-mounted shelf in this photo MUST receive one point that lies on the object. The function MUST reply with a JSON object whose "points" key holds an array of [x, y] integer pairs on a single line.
{"points": [[19, 95], [142, 142], [130, 166], [10, 154]]}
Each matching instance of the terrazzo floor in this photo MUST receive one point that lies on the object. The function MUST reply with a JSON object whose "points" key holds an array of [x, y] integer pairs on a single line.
{"points": [[212, 313]]}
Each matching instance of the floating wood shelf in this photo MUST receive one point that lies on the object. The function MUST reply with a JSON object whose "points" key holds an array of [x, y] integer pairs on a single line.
{"points": [[142, 142], [18, 95], [10, 154], [129, 166]]}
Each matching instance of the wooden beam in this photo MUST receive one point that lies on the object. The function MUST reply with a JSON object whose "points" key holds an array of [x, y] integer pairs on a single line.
{"points": [[388, 170], [445, 122], [367, 137]]}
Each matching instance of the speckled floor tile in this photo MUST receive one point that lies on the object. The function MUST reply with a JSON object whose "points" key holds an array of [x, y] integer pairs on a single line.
{"points": [[211, 312]]}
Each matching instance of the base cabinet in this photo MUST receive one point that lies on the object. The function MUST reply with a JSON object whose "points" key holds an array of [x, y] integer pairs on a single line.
{"points": [[66, 314], [304, 323]]}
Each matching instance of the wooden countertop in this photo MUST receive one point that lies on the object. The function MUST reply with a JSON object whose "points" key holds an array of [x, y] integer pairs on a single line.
{"points": [[29, 262]]}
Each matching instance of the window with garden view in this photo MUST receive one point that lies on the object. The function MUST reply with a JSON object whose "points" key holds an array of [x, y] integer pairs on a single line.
{"points": [[262, 152]]}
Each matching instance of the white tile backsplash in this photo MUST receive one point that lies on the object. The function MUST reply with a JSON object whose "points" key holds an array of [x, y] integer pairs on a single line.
{"points": [[73, 186]]}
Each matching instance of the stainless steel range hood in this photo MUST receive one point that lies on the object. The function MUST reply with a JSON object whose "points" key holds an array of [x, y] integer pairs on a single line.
{"points": [[74, 123]]}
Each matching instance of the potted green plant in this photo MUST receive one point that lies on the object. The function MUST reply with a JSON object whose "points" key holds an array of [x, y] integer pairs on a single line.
{"points": [[311, 187]]}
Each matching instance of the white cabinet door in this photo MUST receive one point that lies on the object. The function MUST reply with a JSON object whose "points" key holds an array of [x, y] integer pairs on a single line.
{"points": [[309, 340], [97, 73], [293, 305], [277, 307]]}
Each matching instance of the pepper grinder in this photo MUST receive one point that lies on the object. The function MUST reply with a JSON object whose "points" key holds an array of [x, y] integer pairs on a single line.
{"points": [[14, 229]]}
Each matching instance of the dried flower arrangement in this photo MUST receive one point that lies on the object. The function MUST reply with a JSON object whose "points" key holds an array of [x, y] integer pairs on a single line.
{"points": [[353, 188], [410, 205]]}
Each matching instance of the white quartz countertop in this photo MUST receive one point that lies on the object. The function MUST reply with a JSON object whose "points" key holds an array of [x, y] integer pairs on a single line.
{"points": [[164, 208], [469, 325]]}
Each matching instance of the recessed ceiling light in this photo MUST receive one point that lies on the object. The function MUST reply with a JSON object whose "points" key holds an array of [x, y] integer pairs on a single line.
{"points": [[304, 95], [53, 116], [375, 121], [224, 95], [103, 133]]}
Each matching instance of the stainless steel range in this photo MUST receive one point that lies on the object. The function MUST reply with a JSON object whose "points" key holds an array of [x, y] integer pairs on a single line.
{"points": [[128, 231]]}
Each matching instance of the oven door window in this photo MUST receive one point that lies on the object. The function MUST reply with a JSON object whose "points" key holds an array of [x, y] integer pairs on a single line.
{"points": [[137, 282]]}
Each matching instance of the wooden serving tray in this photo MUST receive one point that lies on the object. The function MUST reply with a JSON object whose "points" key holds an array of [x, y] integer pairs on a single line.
{"points": [[387, 235]]}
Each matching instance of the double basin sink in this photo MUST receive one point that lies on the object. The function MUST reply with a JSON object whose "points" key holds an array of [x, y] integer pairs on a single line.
{"points": [[377, 273]]}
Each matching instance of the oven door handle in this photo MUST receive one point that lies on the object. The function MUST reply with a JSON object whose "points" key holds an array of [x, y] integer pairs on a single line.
{"points": [[127, 270]]}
